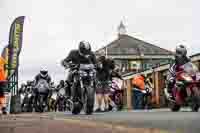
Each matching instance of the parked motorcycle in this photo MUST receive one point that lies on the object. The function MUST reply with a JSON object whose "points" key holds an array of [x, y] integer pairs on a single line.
{"points": [[186, 90]]}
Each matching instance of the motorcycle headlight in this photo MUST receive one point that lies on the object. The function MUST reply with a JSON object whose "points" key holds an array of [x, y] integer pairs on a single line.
{"points": [[62, 92], [29, 95], [91, 73], [83, 74], [187, 78]]}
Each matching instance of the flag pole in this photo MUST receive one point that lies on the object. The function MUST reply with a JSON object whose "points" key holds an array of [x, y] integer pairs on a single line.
{"points": [[106, 52]]}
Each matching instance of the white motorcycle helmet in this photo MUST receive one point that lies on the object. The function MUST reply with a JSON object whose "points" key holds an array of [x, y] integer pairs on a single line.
{"points": [[43, 72]]}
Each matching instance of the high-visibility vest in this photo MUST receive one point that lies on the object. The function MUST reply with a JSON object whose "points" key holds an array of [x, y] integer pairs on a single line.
{"points": [[138, 81], [3, 75]]}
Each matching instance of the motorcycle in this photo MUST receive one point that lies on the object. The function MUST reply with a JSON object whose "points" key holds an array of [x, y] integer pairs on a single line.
{"points": [[61, 100], [85, 92], [116, 95], [27, 102], [42, 96], [186, 90]]}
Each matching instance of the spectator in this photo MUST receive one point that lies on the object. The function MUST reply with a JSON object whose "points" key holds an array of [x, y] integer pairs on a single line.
{"points": [[3, 81], [138, 89], [105, 67]]}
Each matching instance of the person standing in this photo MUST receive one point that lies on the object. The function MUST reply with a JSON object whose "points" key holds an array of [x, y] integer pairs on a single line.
{"points": [[3, 82], [104, 73], [138, 83]]}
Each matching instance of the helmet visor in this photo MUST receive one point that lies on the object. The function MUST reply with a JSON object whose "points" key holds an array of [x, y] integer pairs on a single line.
{"points": [[43, 73], [84, 51]]}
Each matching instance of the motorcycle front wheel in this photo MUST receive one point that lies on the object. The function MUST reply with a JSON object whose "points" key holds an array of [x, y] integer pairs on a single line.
{"points": [[175, 108], [195, 99], [76, 108], [89, 101], [195, 103]]}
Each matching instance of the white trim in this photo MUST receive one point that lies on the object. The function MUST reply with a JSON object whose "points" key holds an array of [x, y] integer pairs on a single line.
{"points": [[196, 58], [139, 57], [161, 68]]}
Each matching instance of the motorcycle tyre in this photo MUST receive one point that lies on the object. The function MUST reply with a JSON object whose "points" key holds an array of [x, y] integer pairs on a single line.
{"points": [[195, 103], [89, 105], [76, 108]]}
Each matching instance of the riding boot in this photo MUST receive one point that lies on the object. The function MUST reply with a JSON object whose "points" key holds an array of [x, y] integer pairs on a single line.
{"points": [[73, 92]]}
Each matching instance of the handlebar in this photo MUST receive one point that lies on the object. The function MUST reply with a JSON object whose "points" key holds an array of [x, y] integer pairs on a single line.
{"points": [[75, 66]]}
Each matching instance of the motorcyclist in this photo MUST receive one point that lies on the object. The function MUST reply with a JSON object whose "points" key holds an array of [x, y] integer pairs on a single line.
{"points": [[180, 59], [43, 75], [22, 88], [83, 55], [29, 86]]}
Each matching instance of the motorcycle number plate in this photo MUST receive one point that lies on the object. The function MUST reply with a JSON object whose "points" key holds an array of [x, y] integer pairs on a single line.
{"points": [[29, 95], [54, 96]]}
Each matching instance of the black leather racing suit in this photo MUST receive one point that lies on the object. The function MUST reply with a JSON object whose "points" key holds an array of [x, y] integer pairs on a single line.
{"points": [[37, 79], [75, 58]]}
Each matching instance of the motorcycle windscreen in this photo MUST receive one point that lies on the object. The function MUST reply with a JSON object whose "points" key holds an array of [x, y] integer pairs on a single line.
{"points": [[190, 68], [86, 66], [43, 86]]}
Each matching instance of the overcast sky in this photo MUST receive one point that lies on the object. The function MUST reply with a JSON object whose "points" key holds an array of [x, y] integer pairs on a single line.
{"points": [[53, 27]]}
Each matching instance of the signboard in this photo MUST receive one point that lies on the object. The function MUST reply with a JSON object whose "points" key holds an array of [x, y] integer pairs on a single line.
{"points": [[15, 42], [134, 65]]}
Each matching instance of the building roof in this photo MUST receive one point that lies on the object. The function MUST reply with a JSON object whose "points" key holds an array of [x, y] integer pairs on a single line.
{"points": [[127, 45]]}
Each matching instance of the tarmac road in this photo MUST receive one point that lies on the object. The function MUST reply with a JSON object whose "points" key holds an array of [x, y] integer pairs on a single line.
{"points": [[153, 121]]}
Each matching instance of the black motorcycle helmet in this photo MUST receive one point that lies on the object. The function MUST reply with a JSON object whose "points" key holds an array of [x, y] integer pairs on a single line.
{"points": [[62, 82], [84, 48], [102, 58], [181, 51], [44, 72]]}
